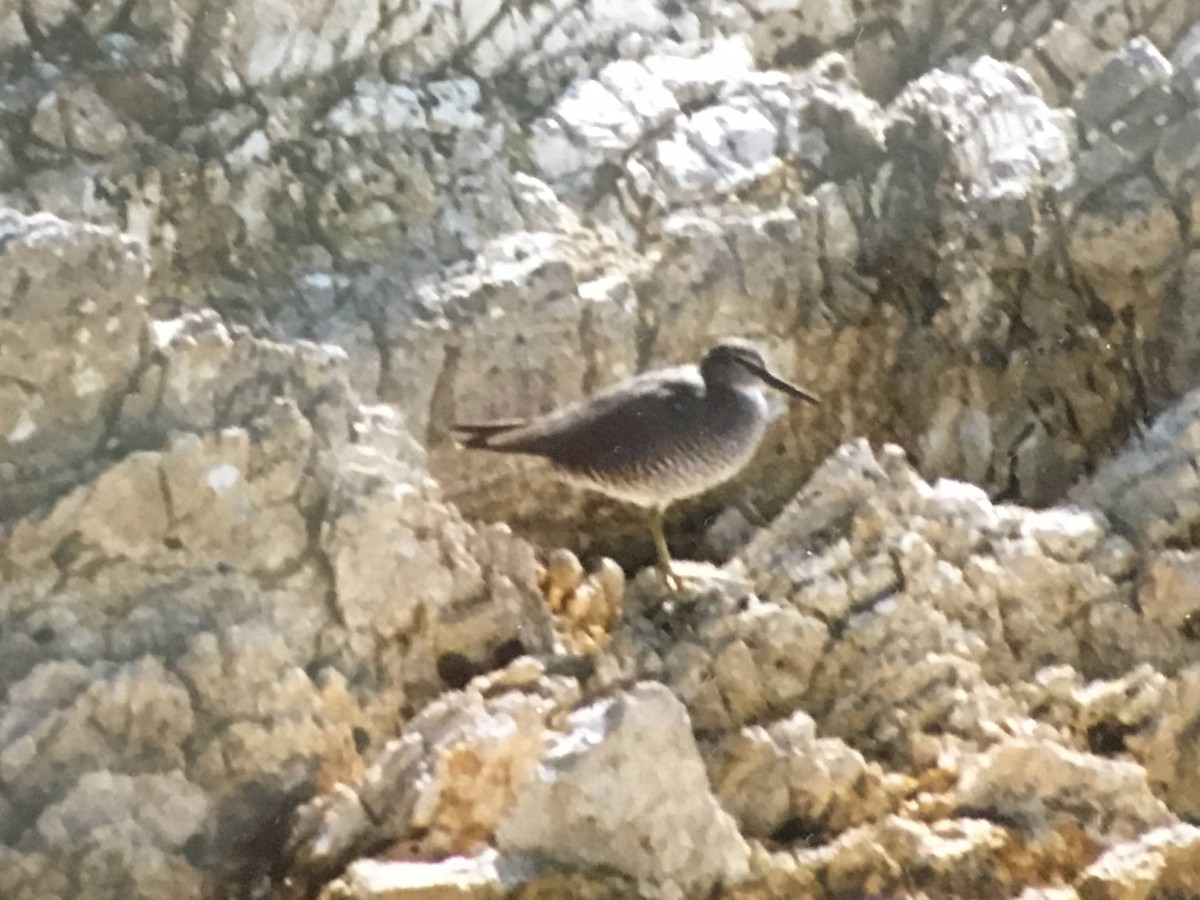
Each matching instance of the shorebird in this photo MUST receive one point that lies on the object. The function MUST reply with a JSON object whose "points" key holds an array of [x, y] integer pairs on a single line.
{"points": [[654, 438]]}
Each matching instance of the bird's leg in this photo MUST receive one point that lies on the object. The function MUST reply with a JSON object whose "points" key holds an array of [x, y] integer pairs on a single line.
{"points": [[655, 517]]}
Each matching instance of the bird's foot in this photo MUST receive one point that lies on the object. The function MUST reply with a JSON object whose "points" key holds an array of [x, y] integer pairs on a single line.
{"points": [[674, 580], [684, 573]]}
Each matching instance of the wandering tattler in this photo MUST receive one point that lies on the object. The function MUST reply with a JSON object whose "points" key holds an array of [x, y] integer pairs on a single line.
{"points": [[655, 438]]}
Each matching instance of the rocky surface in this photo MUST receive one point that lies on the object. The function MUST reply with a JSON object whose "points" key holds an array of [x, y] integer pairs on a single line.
{"points": [[265, 632]]}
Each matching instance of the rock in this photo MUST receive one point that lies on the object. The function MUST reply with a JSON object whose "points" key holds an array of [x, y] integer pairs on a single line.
{"points": [[124, 834], [1170, 592], [1186, 61], [1133, 214], [443, 786], [264, 45], [1151, 491], [258, 257], [787, 28], [79, 120], [784, 776], [741, 668], [69, 347], [456, 878], [956, 857], [1163, 860], [194, 607], [1136, 68], [663, 828], [1170, 749], [381, 541], [931, 584], [64, 719], [1038, 785], [1176, 161]]}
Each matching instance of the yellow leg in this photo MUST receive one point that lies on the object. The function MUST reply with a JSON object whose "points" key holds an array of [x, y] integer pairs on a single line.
{"points": [[655, 517]]}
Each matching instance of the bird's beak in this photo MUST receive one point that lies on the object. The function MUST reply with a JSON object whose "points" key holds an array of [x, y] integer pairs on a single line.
{"points": [[779, 384]]}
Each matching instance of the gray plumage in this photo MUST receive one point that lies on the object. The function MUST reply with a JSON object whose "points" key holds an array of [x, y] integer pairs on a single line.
{"points": [[654, 438]]}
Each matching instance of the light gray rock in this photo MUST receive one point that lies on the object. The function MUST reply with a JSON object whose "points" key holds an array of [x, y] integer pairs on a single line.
{"points": [[1038, 785], [444, 784], [1186, 60], [124, 835], [197, 606], [227, 580], [1150, 491], [604, 795], [781, 774], [260, 45], [481, 877], [744, 667], [78, 120], [1161, 860], [1170, 748], [1137, 68], [1177, 161], [69, 346]]}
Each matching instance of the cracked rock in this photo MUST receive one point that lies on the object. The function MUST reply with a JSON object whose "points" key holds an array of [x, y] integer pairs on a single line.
{"points": [[660, 825], [1038, 785], [1162, 861], [69, 343]]}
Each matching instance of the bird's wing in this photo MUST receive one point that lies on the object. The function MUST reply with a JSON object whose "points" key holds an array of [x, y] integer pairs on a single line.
{"points": [[603, 430]]}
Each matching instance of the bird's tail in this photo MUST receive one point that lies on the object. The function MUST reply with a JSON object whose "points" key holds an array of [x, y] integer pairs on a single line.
{"points": [[478, 436]]}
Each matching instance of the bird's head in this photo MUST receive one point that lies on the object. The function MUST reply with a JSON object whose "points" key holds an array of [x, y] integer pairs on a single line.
{"points": [[734, 362]]}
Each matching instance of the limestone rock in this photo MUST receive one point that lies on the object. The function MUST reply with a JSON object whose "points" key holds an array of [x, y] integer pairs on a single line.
{"points": [[464, 878], [1150, 490], [69, 346], [953, 857], [1163, 860], [1170, 748], [659, 824], [1038, 784], [194, 607], [781, 775], [248, 641], [443, 786], [931, 583]]}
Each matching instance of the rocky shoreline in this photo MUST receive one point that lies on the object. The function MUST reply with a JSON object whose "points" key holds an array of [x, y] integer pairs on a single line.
{"points": [[266, 632]]}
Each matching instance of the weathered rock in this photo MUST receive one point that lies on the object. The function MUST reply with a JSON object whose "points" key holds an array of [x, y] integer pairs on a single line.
{"points": [[952, 858], [931, 584], [464, 878], [1170, 748], [1161, 861], [1039, 785], [193, 608], [657, 823], [123, 834], [443, 786], [70, 344], [785, 776], [1151, 490], [227, 580], [1186, 60], [243, 46]]}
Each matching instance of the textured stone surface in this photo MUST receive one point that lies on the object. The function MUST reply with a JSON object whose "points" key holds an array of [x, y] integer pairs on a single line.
{"points": [[1038, 784], [1163, 861], [265, 632], [602, 796]]}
